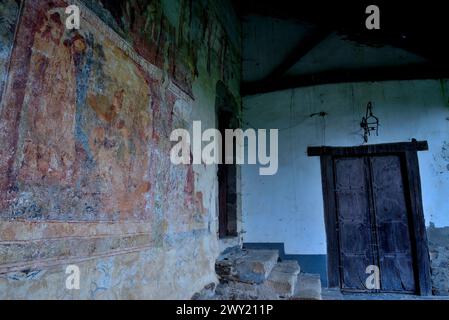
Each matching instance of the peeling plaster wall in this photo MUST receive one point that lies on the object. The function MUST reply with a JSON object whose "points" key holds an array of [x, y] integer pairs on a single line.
{"points": [[293, 211], [85, 173]]}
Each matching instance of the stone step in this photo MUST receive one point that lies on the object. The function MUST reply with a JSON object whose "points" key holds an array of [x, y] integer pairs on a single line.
{"points": [[331, 294], [249, 266], [283, 278], [232, 290], [308, 287]]}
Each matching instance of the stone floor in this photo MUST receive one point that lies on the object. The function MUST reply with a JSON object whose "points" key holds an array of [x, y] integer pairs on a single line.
{"points": [[333, 294]]}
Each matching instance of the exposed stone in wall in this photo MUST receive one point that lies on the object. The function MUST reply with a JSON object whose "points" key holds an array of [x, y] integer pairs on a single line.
{"points": [[439, 257], [85, 173]]}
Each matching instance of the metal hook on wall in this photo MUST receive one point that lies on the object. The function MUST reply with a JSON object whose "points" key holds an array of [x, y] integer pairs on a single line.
{"points": [[369, 123]]}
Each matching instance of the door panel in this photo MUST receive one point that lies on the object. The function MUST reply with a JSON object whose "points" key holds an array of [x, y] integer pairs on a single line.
{"points": [[392, 224], [353, 221], [373, 223], [396, 274], [353, 271]]}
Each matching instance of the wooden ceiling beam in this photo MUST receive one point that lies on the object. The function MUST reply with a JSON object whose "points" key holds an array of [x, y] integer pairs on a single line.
{"points": [[304, 46], [409, 72]]}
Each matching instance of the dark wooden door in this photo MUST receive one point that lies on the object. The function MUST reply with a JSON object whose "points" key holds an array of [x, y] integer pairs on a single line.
{"points": [[373, 221], [374, 216]]}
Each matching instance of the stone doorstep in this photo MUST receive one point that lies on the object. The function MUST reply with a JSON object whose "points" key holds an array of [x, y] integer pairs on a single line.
{"points": [[284, 277], [249, 266], [258, 274], [225, 264], [256, 265], [288, 266], [234, 290], [308, 287]]}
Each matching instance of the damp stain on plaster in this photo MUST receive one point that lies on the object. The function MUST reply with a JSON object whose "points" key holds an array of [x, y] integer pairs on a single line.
{"points": [[443, 88], [445, 151], [445, 154]]}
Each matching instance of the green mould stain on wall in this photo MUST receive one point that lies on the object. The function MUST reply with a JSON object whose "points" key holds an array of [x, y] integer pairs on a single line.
{"points": [[85, 171]]}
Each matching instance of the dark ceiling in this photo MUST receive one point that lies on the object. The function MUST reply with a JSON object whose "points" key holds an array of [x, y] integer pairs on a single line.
{"points": [[417, 27]]}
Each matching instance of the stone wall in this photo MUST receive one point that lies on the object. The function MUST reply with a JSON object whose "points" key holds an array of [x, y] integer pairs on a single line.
{"points": [[85, 119], [439, 257]]}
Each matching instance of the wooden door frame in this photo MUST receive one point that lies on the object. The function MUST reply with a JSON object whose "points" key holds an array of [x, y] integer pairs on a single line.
{"points": [[408, 151], [227, 174]]}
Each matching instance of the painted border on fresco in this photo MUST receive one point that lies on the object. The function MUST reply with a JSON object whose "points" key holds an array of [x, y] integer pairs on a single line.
{"points": [[147, 242]]}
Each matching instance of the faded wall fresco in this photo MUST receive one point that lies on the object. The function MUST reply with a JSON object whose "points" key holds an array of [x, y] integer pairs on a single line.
{"points": [[147, 26], [9, 12], [85, 173]]}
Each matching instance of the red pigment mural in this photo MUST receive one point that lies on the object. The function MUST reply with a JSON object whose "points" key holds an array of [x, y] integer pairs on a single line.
{"points": [[84, 129]]}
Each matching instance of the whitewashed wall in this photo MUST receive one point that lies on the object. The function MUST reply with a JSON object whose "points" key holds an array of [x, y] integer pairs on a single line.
{"points": [[288, 207]]}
